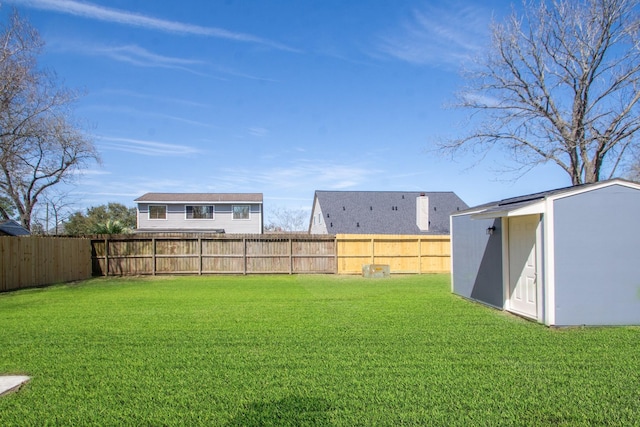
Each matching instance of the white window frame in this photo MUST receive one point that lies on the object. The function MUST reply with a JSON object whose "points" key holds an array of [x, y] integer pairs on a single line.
{"points": [[233, 212], [166, 212], [186, 213]]}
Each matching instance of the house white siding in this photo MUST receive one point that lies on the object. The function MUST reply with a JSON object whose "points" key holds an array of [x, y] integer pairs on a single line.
{"points": [[318, 223], [220, 208]]}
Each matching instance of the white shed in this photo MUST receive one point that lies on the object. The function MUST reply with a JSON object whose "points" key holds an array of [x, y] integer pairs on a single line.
{"points": [[563, 257]]}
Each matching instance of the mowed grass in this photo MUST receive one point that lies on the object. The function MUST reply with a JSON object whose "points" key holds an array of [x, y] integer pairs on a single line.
{"points": [[303, 350]]}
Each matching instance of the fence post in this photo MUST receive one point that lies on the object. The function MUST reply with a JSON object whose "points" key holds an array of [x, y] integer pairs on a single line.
{"points": [[106, 256], [153, 256], [420, 255], [373, 246], [335, 253], [290, 255], [199, 256], [244, 255]]}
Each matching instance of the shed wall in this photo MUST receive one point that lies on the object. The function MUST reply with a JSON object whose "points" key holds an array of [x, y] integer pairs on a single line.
{"points": [[597, 253], [477, 259]]}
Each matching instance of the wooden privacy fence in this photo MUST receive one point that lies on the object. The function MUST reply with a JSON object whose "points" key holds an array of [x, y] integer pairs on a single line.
{"points": [[213, 254], [407, 254], [29, 261], [251, 254]]}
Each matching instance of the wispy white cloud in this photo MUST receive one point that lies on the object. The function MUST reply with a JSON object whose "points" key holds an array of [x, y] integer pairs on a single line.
{"points": [[118, 109], [154, 98], [101, 13], [258, 132], [147, 148], [438, 35], [130, 54], [300, 173], [141, 57], [479, 99]]}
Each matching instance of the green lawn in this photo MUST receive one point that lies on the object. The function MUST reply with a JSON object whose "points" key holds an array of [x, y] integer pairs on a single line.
{"points": [[303, 350]]}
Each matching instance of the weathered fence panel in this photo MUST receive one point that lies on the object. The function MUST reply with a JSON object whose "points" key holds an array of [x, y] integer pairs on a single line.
{"points": [[213, 254], [29, 261], [406, 254], [273, 254]]}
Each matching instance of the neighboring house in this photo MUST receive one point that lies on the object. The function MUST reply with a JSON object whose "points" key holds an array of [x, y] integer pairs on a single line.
{"points": [[563, 257], [12, 228], [383, 212], [200, 212]]}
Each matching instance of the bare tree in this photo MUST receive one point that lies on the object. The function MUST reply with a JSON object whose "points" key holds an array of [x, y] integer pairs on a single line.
{"points": [[561, 84], [54, 207], [40, 145], [284, 219]]}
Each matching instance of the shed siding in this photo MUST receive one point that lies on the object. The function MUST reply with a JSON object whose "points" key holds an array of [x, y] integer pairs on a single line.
{"points": [[222, 219], [477, 259], [597, 269]]}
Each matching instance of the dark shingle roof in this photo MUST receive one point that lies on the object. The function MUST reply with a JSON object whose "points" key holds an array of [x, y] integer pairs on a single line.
{"points": [[200, 197], [12, 228], [385, 212]]}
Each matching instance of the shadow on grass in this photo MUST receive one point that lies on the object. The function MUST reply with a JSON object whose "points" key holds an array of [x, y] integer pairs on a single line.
{"points": [[290, 411]]}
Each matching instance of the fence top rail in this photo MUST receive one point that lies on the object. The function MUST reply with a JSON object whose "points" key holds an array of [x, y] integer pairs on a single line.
{"points": [[213, 236], [367, 237]]}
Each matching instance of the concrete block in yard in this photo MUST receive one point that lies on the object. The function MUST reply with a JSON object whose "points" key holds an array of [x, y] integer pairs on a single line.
{"points": [[375, 270]]}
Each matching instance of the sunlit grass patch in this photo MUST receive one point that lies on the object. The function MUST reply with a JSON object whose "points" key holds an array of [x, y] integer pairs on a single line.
{"points": [[302, 350]]}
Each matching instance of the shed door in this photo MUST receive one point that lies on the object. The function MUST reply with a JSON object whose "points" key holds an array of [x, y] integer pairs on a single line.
{"points": [[523, 289]]}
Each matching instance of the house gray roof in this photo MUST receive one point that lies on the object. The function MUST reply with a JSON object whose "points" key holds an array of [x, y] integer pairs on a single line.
{"points": [[385, 212], [200, 198], [12, 228]]}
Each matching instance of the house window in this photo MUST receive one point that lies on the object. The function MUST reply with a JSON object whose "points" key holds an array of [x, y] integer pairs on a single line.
{"points": [[199, 212], [157, 212], [241, 211]]}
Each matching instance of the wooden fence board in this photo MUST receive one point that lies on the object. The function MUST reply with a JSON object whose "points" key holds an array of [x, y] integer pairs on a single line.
{"points": [[409, 254], [213, 254], [37, 261], [261, 254], [29, 261]]}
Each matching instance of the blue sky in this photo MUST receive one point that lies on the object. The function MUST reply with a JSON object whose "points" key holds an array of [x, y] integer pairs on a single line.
{"points": [[278, 97]]}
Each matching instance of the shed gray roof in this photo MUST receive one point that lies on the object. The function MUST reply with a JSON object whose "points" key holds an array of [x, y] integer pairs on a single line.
{"points": [[12, 228], [374, 212], [515, 203], [200, 197]]}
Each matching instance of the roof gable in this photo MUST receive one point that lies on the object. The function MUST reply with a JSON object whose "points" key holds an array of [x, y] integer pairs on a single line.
{"points": [[385, 212]]}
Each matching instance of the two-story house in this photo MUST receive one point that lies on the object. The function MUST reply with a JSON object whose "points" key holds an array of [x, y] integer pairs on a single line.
{"points": [[200, 212]]}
